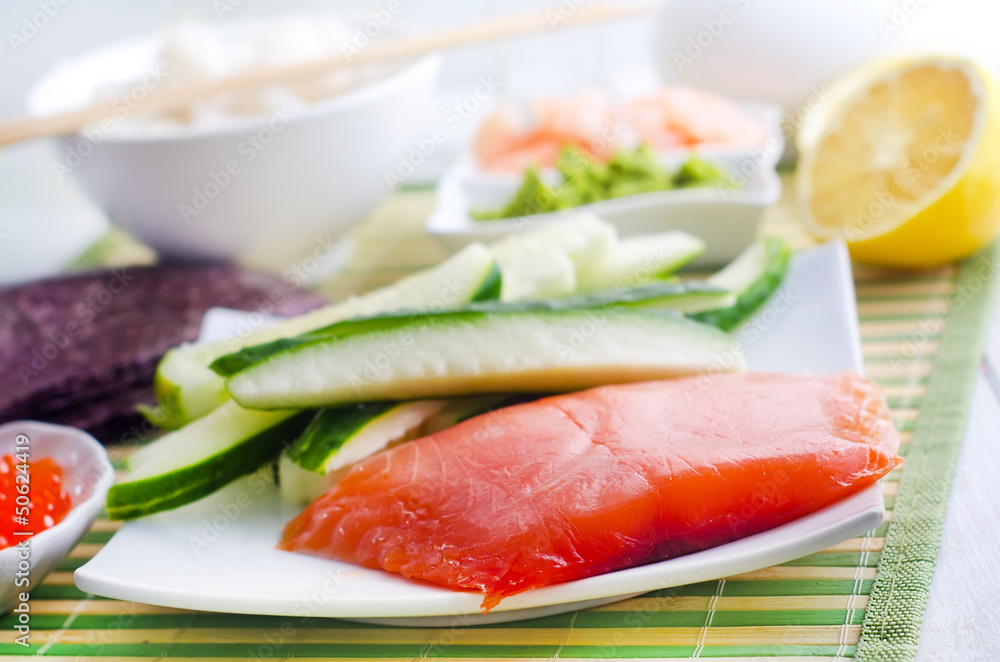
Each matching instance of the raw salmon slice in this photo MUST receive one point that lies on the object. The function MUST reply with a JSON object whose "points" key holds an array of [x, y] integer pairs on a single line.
{"points": [[586, 483], [671, 118]]}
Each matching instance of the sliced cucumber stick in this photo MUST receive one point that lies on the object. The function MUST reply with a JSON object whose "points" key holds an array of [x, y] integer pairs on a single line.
{"points": [[686, 296], [542, 262], [536, 271], [682, 296], [185, 465], [582, 236], [460, 409], [462, 353], [752, 277], [183, 389], [340, 436], [298, 486], [188, 389], [636, 260]]}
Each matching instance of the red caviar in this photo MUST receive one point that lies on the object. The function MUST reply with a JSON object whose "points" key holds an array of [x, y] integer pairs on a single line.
{"points": [[49, 501]]}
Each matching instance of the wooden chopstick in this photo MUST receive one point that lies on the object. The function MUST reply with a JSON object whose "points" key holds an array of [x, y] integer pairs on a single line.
{"points": [[171, 98]]}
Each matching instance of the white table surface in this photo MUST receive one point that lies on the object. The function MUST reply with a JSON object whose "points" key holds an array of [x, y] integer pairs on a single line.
{"points": [[962, 621]]}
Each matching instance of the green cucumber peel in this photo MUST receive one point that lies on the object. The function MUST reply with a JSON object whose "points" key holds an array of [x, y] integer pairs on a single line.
{"points": [[647, 297], [774, 259], [330, 429], [173, 489]]}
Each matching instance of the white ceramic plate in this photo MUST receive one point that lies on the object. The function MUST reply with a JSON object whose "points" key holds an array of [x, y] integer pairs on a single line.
{"points": [[219, 554], [87, 475], [726, 219]]}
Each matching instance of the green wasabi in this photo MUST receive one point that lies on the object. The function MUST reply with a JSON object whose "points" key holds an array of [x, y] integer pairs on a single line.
{"points": [[584, 179]]}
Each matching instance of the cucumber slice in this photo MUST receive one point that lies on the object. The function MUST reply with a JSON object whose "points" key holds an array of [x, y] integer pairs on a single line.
{"points": [[483, 352], [160, 417], [753, 277], [298, 486], [460, 409], [183, 466], [635, 260], [183, 390], [187, 389], [536, 271], [487, 289], [584, 237], [684, 296], [543, 262], [340, 436]]}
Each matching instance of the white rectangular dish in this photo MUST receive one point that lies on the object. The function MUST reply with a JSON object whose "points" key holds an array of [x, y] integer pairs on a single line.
{"points": [[219, 553], [727, 219]]}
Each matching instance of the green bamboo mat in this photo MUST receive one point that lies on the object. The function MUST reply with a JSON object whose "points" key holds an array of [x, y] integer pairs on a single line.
{"points": [[861, 599]]}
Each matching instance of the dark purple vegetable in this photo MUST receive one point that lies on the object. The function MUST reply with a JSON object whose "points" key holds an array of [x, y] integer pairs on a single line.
{"points": [[82, 349]]}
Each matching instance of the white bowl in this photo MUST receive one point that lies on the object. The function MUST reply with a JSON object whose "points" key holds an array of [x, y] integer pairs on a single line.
{"points": [[323, 169], [87, 476], [727, 219]]}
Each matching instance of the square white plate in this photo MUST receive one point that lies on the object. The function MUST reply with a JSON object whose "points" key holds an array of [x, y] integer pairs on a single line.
{"points": [[219, 554], [727, 219]]}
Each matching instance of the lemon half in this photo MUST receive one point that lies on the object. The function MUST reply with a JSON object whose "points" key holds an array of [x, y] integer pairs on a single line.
{"points": [[905, 163]]}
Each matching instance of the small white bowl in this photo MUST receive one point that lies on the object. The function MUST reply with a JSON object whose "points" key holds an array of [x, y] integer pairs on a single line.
{"points": [[87, 476], [321, 170], [727, 219]]}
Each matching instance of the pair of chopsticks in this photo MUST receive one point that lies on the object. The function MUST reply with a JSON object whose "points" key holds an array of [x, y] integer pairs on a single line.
{"points": [[175, 97]]}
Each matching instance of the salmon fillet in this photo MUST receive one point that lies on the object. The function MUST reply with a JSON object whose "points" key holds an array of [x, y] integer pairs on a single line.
{"points": [[577, 485]]}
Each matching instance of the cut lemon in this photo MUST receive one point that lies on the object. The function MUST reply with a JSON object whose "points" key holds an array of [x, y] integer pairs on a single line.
{"points": [[905, 164]]}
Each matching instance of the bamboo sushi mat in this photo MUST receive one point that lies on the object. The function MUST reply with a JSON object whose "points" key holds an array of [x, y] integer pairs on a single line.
{"points": [[922, 336]]}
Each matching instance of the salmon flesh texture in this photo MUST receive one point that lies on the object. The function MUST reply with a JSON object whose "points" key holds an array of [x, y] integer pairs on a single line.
{"points": [[586, 483]]}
